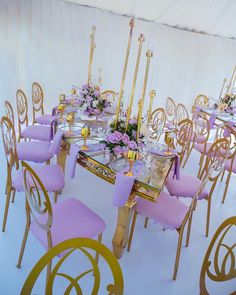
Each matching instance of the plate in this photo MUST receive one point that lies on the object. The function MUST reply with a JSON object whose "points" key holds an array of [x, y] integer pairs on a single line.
{"points": [[93, 145], [75, 129]]}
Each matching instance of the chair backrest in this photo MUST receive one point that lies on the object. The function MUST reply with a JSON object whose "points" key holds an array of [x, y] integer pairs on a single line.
{"points": [[184, 135], [201, 100], [219, 262], [109, 94], [158, 119], [37, 100], [181, 113], [74, 248], [37, 200], [9, 112], [9, 143], [202, 128], [170, 110], [22, 110]]}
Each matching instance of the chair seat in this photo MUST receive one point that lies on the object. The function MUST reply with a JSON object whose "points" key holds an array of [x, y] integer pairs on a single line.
{"points": [[37, 132], [71, 219], [228, 165], [200, 147], [52, 177], [167, 210], [45, 119], [199, 139], [34, 151], [186, 186]]}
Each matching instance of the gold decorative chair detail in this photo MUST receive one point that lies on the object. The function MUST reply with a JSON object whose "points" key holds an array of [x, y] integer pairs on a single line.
{"points": [[9, 112], [110, 95], [170, 111], [73, 249], [37, 100], [157, 122], [201, 100], [181, 113], [219, 262], [183, 138]]}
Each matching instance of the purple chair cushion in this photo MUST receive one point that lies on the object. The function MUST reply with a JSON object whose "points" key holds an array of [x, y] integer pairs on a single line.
{"points": [[199, 139], [55, 146], [167, 210], [200, 147], [186, 186], [71, 219], [37, 132], [52, 177], [45, 119], [34, 151], [228, 165]]}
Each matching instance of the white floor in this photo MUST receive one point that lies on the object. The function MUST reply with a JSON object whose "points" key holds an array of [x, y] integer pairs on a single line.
{"points": [[148, 268]]}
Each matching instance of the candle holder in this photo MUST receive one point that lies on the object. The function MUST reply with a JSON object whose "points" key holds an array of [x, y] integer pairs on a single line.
{"points": [[73, 91], [70, 118], [85, 133], [132, 156], [169, 140], [62, 98], [61, 109]]}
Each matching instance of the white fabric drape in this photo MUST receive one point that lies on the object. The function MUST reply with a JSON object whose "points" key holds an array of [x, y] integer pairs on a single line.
{"points": [[48, 41]]}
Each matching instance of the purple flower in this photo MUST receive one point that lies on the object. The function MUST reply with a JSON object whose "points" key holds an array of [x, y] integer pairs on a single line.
{"points": [[132, 145], [132, 121], [85, 86], [118, 135], [112, 138], [125, 138], [134, 133], [117, 150], [96, 93]]}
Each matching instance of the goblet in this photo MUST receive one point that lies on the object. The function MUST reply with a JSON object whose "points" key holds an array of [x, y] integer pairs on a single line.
{"points": [[61, 109], [85, 132], [169, 140], [62, 98], [132, 156], [70, 120], [73, 91]]}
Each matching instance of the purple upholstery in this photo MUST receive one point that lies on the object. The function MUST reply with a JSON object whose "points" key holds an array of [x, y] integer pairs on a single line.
{"points": [[35, 151], [200, 147], [71, 219], [52, 177], [56, 144], [199, 139], [228, 165], [37, 132], [45, 119], [186, 186], [167, 210]]}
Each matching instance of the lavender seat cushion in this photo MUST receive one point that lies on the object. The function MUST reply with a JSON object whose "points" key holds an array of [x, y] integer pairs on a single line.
{"points": [[37, 132], [228, 165], [71, 219], [34, 151], [167, 210], [199, 139], [45, 119], [186, 186], [200, 147], [52, 177]]}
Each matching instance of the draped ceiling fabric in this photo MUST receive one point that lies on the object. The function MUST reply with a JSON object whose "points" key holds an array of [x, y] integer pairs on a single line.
{"points": [[48, 41]]}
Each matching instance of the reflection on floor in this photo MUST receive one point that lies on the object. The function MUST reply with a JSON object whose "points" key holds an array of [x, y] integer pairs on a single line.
{"points": [[148, 268]]}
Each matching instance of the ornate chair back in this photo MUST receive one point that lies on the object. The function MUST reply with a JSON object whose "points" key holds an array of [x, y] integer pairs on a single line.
{"points": [[170, 110], [37, 201], [184, 135], [109, 94], [181, 113], [74, 248], [37, 100], [22, 111], [201, 100], [9, 112], [157, 121], [219, 262], [202, 129]]}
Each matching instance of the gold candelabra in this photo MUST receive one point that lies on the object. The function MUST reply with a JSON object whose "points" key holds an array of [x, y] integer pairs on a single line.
{"points": [[152, 94], [132, 156], [92, 47], [222, 88], [232, 81], [85, 133], [131, 24]]}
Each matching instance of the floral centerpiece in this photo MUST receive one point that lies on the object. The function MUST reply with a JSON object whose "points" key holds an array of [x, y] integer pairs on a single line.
{"points": [[122, 139], [225, 103], [90, 100]]}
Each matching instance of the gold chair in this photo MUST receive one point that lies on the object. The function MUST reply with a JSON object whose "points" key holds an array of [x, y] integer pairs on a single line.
{"points": [[9, 112], [183, 138], [76, 246], [181, 113], [22, 111], [170, 110], [37, 100], [219, 262], [201, 100], [157, 122]]}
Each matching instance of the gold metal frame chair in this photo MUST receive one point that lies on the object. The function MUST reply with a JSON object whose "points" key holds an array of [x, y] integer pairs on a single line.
{"points": [[37, 100], [184, 135], [22, 111], [201, 100], [181, 113], [170, 111], [157, 119], [70, 247], [221, 267], [9, 112]]}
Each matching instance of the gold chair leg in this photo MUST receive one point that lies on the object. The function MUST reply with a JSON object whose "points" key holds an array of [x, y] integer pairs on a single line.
{"points": [[226, 187], [13, 196], [222, 176], [146, 222], [189, 227], [208, 216], [97, 254], [7, 181], [132, 230], [200, 165], [49, 268], [55, 196], [27, 228], [6, 210], [178, 253]]}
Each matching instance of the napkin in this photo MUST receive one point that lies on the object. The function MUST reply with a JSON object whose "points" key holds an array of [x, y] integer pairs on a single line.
{"points": [[196, 113], [226, 131], [212, 120]]}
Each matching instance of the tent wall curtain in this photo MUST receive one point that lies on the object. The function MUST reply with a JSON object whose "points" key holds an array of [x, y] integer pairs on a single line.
{"points": [[48, 41]]}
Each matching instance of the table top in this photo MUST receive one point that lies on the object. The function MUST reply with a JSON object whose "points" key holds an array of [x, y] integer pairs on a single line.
{"points": [[221, 116]]}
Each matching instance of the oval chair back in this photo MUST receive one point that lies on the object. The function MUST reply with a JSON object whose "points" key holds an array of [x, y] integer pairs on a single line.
{"points": [[184, 135], [201, 100], [170, 111], [110, 95], [219, 262], [22, 111], [9, 112], [181, 113], [157, 121], [37, 100], [73, 248]]}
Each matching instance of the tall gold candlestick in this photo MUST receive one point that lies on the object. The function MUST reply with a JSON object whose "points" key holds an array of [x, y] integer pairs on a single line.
{"points": [[139, 118], [231, 80], [131, 24], [149, 55], [222, 88], [92, 47], [152, 94], [141, 39]]}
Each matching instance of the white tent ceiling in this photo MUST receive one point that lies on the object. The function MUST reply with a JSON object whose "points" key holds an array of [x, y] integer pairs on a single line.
{"points": [[215, 17]]}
